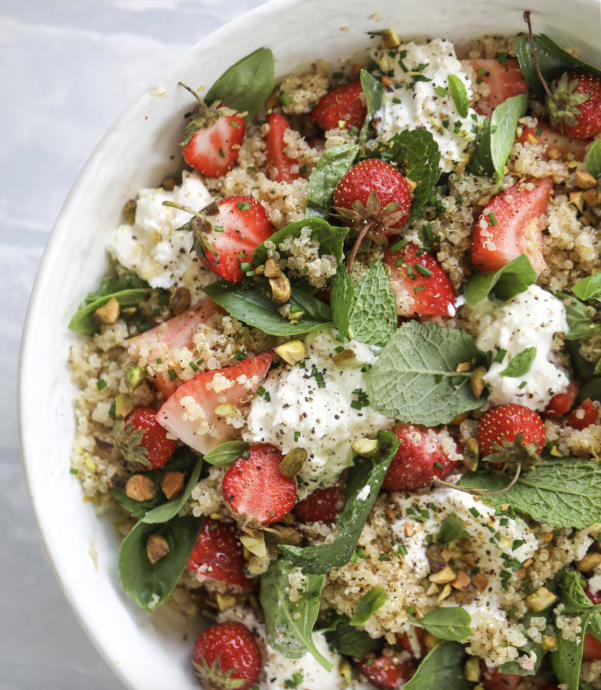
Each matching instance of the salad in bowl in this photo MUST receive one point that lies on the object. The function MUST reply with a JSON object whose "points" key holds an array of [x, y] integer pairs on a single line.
{"points": [[340, 393]]}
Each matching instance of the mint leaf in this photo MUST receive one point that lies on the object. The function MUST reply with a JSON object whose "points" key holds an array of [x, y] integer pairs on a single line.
{"points": [[593, 159], [369, 603], [415, 378], [253, 307], [372, 316], [322, 558], [459, 95], [530, 646], [579, 318], [342, 298], [349, 641], [227, 453], [511, 280], [451, 529], [481, 160], [330, 169], [448, 623], [330, 238], [290, 623], [520, 364], [503, 124], [442, 668], [246, 85], [373, 90], [562, 492], [589, 287]]}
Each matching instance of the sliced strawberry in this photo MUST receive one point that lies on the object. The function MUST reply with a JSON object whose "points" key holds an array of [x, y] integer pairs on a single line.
{"points": [[592, 648], [561, 403], [276, 158], [256, 490], [152, 449], [493, 679], [553, 141], [407, 642], [510, 226], [342, 104], [425, 291], [418, 460], [505, 423], [575, 108], [584, 415], [594, 597], [190, 413], [384, 672], [219, 550], [505, 81], [320, 506]]}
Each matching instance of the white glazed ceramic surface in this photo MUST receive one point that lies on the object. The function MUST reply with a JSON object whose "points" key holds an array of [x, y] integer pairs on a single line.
{"points": [[152, 652]]}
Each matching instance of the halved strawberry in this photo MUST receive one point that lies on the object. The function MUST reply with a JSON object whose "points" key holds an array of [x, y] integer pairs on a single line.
{"points": [[504, 81], [561, 403], [493, 679], [510, 226], [196, 412], [342, 104], [583, 416], [256, 490], [419, 282], [553, 141], [320, 506], [218, 548], [384, 672], [277, 160]]}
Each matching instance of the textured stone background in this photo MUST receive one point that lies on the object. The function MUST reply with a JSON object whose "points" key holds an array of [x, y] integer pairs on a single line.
{"points": [[67, 69]]}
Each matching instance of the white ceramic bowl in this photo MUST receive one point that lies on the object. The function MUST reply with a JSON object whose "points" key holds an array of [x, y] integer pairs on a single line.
{"points": [[152, 652]]}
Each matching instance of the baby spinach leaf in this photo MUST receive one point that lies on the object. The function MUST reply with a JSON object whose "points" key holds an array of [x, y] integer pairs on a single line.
{"points": [[369, 603], [147, 584], [373, 90], [589, 287], [521, 364], [459, 95], [562, 492], [579, 318], [227, 453], [322, 558], [448, 623], [290, 623], [583, 370], [349, 641], [511, 280], [255, 308], [442, 668], [593, 159], [415, 378], [530, 646], [83, 319], [503, 124], [330, 169], [109, 286], [342, 298], [451, 529], [591, 389], [246, 85]]}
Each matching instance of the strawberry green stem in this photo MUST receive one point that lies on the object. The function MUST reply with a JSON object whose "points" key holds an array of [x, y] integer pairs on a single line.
{"points": [[172, 204], [198, 98], [480, 493], [527, 14], [362, 234]]}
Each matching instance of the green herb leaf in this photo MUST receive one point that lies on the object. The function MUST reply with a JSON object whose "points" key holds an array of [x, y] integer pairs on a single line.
{"points": [[459, 95], [369, 603], [83, 319], [290, 623], [562, 492], [365, 472], [167, 511], [331, 167], [342, 298], [448, 623], [255, 308], [503, 124], [520, 364], [593, 159], [451, 529], [147, 584], [373, 90], [349, 641], [481, 160], [227, 453], [530, 646], [246, 85], [415, 378], [511, 280], [589, 287], [579, 318], [591, 389], [442, 668]]}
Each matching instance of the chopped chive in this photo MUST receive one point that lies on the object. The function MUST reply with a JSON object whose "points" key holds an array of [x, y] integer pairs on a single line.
{"points": [[221, 153], [399, 262], [439, 465], [512, 611], [420, 268], [492, 218], [101, 384], [337, 75], [402, 549], [261, 391], [482, 73], [302, 170], [112, 410], [302, 365], [539, 131], [500, 356], [360, 552], [267, 396], [339, 349], [515, 564], [297, 435], [193, 366], [523, 385], [218, 228], [156, 312], [383, 557], [199, 361], [212, 528], [239, 355], [502, 58], [441, 91], [74, 470], [353, 131], [234, 124], [409, 270], [158, 360], [250, 168], [410, 611], [517, 543], [370, 661], [459, 199], [284, 100], [245, 455], [505, 574], [427, 228], [172, 374], [399, 245], [243, 206], [474, 512], [245, 266], [419, 288], [504, 522]]}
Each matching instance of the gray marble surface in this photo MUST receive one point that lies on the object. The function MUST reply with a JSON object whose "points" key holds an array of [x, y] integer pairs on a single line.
{"points": [[67, 69]]}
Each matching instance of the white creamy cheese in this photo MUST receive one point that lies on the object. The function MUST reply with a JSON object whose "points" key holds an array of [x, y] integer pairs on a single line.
{"points": [[416, 104], [154, 248], [320, 420], [529, 320]]}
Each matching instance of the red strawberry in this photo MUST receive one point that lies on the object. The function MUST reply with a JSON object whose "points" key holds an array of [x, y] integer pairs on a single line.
{"points": [[276, 158], [218, 548], [575, 105], [406, 643], [431, 294], [553, 140], [493, 679], [196, 422], [341, 104], [320, 506], [504, 81], [561, 403], [255, 489], [418, 460], [504, 423], [592, 648], [509, 226], [595, 598], [383, 673], [226, 654], [584, 415], [142, 440]]}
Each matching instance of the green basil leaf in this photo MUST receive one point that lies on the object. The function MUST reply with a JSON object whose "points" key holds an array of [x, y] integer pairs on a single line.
{"points": [[481, 161], [167, 511], [521, 364], [290, 623], [448, 623], [349, 641], [562, 492], [511, 280], [583, 370], [589, 287], [227, 453], [503, 124], [147, 584], [322, 558], [109, 286], [83, 319], [591, 390], [342, 298], [254, 308], [246, 85], [593, 159], [369, 603], [530, 646], [579, 318], [373, 90], [451, 529], [442, 668], [330, 238], [415, 377], [459, 95], [331, 167]]}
